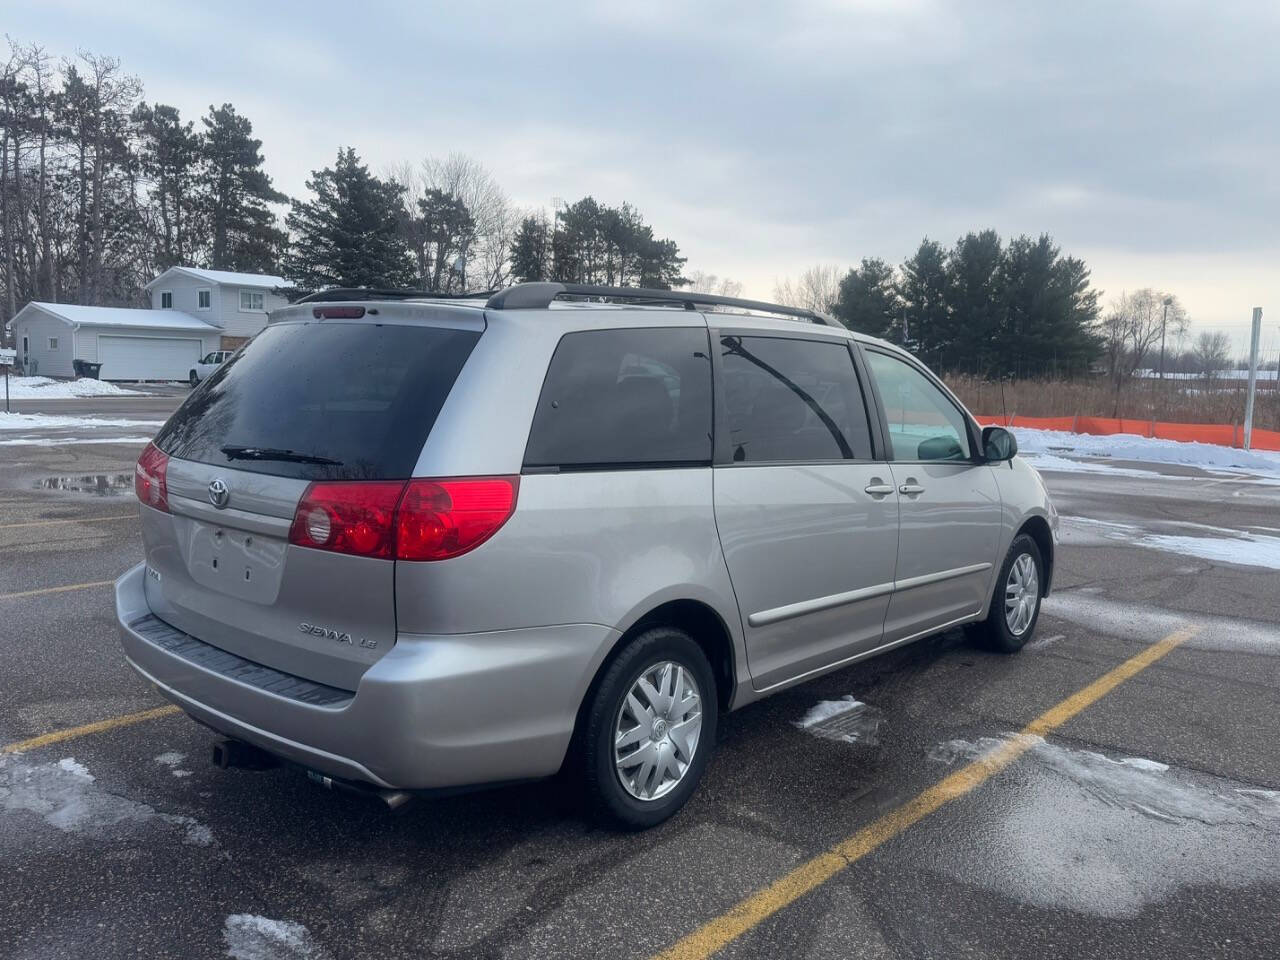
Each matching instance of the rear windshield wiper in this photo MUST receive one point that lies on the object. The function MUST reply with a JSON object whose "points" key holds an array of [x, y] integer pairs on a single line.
{"points": [[274, 453]]}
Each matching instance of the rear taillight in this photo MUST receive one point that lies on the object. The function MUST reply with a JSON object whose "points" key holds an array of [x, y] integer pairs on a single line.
{"points": [[439, 519], [416, 520], [357, 518], [149, 481]]}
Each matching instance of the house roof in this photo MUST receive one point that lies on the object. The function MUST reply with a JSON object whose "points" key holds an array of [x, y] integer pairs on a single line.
{"points": [[79, 316], [226, 277]]}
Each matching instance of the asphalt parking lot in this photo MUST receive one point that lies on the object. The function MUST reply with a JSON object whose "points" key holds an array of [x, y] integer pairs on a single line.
{"points": [[1145, 823]]}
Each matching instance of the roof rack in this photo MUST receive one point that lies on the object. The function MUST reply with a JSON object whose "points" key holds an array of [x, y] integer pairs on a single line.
{"points": [[387, 293], [538, 296]]}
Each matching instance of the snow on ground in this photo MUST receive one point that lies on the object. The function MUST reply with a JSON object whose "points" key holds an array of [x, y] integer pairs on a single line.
{"points": [[1233, 546], [63, 441], [847, 720], [46, 388], [1050, 447], [48, 421], [66, 796], [1104, 835], [1130, 621], [250, 937]]}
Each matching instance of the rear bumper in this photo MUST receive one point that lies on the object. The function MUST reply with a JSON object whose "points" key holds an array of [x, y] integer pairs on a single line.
{"points": [[434, 712]]}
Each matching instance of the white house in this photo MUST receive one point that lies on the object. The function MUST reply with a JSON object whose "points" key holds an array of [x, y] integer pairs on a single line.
{"points": [[194, 312]]}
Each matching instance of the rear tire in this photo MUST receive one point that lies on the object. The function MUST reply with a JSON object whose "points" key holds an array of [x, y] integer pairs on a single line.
{"points": [[650, 729], [1015, 604], [193, 379]]}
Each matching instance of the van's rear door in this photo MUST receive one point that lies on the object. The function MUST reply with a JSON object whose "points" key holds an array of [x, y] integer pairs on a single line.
{"points": [[307, 401]]}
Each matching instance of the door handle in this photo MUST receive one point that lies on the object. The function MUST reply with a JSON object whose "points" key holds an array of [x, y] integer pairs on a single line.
{"points": [[878, 488], [910, 488]]}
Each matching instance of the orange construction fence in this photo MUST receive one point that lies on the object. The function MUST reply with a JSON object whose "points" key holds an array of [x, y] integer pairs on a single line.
{"points": [[1222, 434]]}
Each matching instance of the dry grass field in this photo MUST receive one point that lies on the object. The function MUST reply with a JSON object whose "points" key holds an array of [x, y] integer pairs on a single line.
{"points": [[1173, 401]]}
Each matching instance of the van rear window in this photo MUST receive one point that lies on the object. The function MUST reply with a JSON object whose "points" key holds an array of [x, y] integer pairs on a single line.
{"points": [[322, 401]]}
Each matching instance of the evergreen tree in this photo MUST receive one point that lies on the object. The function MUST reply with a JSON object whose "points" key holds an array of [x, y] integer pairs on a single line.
{"points": [[348, 235], [170, 154], [531, 251], [235, 193], [923, 292], [449, 230], [868, 300], [612, 246], [975, 293]]}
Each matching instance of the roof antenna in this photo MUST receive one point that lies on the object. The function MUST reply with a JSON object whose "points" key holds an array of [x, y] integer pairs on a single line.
{"points": [[1004, 410]]}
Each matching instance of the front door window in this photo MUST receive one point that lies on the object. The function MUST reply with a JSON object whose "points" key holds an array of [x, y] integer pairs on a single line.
{"points": [[923, 423]]}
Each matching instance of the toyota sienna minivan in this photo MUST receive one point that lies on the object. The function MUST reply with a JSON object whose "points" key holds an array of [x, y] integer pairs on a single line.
{"points": [[420, 545]]}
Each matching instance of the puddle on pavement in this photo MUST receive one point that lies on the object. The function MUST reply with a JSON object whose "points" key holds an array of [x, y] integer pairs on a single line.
{"points": [[846, 720], [98, 484]]}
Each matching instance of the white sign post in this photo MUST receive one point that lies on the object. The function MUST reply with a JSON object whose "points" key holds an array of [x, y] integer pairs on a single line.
{"points": [[7, 357], [1253, 376]]}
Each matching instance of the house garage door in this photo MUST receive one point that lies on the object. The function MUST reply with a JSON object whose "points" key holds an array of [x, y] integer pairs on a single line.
{"points": [[146, 358]]}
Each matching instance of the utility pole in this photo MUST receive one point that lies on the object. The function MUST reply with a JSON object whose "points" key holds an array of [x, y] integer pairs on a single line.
{"points": [[1253, 375], [1164, 322]]}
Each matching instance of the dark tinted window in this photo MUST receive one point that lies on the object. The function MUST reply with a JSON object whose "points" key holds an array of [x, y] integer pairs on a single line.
{"points": [[788, 400], [619, 397], [360, 394]]}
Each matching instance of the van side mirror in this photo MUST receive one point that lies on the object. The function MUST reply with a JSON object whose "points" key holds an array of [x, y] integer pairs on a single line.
{"points": [[998, 444]]}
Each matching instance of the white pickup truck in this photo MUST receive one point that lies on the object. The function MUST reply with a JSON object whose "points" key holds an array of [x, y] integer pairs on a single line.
{"points": [[207, 364]]}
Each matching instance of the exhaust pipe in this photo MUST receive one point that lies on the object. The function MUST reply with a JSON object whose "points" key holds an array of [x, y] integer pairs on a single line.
{"points": [[236, 753], [393, 799]]}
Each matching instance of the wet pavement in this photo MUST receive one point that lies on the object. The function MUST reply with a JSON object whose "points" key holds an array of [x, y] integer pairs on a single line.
{"points": [[1147, 826]]}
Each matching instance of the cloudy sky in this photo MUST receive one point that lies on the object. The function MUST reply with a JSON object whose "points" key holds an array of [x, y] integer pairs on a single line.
{"points": [[764, 138]]}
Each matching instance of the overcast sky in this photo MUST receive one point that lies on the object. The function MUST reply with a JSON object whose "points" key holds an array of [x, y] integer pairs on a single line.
{"points": [[763, 138]]}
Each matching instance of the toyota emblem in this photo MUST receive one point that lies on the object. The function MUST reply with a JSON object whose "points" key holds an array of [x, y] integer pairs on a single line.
{"points": [[218, 492]]}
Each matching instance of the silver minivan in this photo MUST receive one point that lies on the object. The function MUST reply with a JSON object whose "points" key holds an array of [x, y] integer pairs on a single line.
{"points": [[418, 545]]}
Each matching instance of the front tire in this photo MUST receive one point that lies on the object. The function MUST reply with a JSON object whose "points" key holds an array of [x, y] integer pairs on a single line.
{"points": [[193, 380], [1015, 607], [650, 730]]}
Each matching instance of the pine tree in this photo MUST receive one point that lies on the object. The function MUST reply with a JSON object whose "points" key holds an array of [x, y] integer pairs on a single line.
{"points": [[170, 155], [531, 251], [235, 193], [923, 291], [868, 300], [348, 235], [975, 293]]}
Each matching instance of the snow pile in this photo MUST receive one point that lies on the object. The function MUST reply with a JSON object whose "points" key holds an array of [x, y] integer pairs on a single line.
{"points": [[46, 388], [48, 421], [1125, 446], [250, 937]]}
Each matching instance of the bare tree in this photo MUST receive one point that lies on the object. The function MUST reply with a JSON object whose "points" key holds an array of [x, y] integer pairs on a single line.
{"points": [[818, 288], [1133, 328], [481, 258], [702, 282], [1212, 352]]}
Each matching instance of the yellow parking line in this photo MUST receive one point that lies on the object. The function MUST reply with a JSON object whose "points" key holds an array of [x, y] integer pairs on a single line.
{"points": [[45, 590], [99, 726], [724, 929], [50, 523]]}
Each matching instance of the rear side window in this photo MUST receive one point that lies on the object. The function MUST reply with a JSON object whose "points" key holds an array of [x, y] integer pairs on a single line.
{"points": [[322, 401], [789, 400], [617, 398]]}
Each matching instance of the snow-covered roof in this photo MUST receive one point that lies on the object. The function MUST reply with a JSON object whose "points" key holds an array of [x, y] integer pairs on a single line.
{"points": [[79, 316], [226, 277]]}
